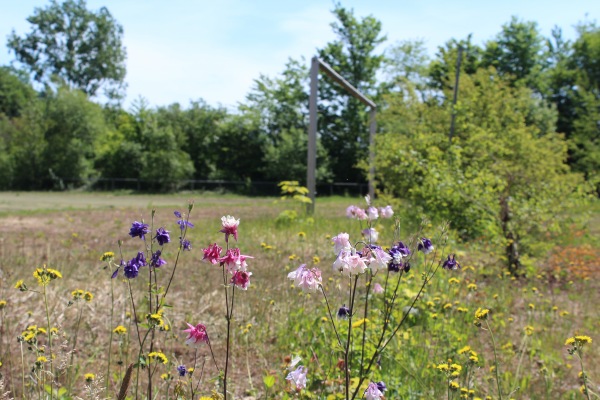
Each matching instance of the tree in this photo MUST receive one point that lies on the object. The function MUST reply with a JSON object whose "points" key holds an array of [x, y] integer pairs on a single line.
{"points": [[15, 93], [81, 47], [342, 118], [501, 177]]}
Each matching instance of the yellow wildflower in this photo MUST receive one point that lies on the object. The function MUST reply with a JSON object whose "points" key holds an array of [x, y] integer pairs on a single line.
{"points": [[158, 356], [120, 330], [482, 313]]}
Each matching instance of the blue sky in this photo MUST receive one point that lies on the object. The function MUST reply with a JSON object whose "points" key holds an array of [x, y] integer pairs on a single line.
{"points": [[182, 50]]}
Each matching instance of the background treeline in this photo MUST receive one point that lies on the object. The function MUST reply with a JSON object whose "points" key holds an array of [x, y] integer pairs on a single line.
{"points": [[58, 130]]}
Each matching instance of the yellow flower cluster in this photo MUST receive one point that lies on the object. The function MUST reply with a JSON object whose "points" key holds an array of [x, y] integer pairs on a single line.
{"points": [[158, 357], [45, 275], [108, 256], [89, 377], [120, 330], [578, 340], [482, 313], [155, 319], [82, 294]]}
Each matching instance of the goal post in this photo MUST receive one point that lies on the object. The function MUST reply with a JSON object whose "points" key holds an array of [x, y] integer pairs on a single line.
{"points": [[311, 179]]}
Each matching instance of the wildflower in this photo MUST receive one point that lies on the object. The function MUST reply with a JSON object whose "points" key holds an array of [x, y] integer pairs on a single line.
{"points": [[155, 319], [453, 280], [529, 330], [234, 261], [212, 253], [89, 377], [425, 246], [472, 286], [197, 335], [372, 213], [138, 229], [443, 367], [2, 304], [241, 279], [379, 259], [133, 266], [230, 225], [185, 244], [45, 275], [120, 330], [77, 294], [316, 259], [451, 263], [165, 376], [307, 279], [482, 313], [356, 213], [372, 392], [370, 234], [377, 288], [578, 341], [341, 242], [298, 377], [302, 235], [88, 296], [350, 263], [158, 357], [398, 252], [386, 212], [162, 236], [107, 256], [21, 286], [464, 350], [563, 313], [453, 385], [41, 359], [183, 223], [381, 386], [156, 261], [343, 312], [182, 370]]}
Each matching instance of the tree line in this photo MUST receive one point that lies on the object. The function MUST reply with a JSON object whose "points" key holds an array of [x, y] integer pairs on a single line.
{"points": [[74, 56]]}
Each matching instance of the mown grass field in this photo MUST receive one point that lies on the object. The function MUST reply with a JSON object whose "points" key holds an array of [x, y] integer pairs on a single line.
{"points": [[530, 317]]}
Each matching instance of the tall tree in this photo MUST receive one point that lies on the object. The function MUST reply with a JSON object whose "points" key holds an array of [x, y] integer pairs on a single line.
{"points": [[81, 47], [342, 118]]}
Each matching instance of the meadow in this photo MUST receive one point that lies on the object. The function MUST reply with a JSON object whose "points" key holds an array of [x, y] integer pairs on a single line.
{"points": [[517, 350]]}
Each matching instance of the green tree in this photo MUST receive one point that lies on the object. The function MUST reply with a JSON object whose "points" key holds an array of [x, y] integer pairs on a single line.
{"points": [[343, 121], [501, 177], [15, 93], [82, 47]]}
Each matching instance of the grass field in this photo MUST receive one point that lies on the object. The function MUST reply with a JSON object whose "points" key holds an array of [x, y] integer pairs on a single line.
{"points": [[530, 318]]}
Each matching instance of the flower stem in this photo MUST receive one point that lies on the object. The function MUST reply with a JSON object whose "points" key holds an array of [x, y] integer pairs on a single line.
{"points": [[49, 344], [579, 355], [495, 360]]}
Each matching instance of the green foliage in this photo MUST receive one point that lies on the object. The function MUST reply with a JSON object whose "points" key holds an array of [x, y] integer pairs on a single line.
{"points": [[82, 47], [15, 93], [501, 177]]}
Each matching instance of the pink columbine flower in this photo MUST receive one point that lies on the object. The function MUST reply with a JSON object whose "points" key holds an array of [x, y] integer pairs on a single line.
{"points": [[234, 261], [356, 212], [386, 212], [349, 263], [298, 377], [341, 242], [307, 279], [372, 213], [212, 253], [230, 225], [370, 234], [241, 279], [377, 288], [197, 335], [379, 259], [373, 392], [368, 200]]}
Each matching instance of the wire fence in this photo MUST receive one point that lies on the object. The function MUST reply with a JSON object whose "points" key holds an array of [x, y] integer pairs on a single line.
{"points": [[248, 187]]}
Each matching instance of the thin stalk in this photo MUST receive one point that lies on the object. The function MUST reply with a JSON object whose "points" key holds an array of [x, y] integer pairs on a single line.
{"points": [[22, 373], [75, 344], [495, 359], [337, 335], [112, 309], [349, 337], [364, 333], [579, 355], [137, 328], [49, 344]]}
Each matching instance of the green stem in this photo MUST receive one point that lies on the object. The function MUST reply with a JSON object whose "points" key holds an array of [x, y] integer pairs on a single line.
{"points": [[49, 344], [112, 308], [495, 360], [580, 356]]}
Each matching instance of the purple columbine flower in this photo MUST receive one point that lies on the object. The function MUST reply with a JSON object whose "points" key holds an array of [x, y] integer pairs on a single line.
{"points": [[114, 274], [451, 263], [131, 269], [381, 386], [425, 246], [139, 229], [156, 261], [398, 252], [343, 312], [162, 236], [185, 244], [182, 222], [182, 370]]}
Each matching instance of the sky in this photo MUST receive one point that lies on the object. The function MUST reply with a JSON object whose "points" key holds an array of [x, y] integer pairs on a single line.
{"points": [[184, 50]]}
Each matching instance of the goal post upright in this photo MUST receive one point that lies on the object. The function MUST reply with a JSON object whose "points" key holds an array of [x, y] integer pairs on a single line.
{"points": [[311, 179]]}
